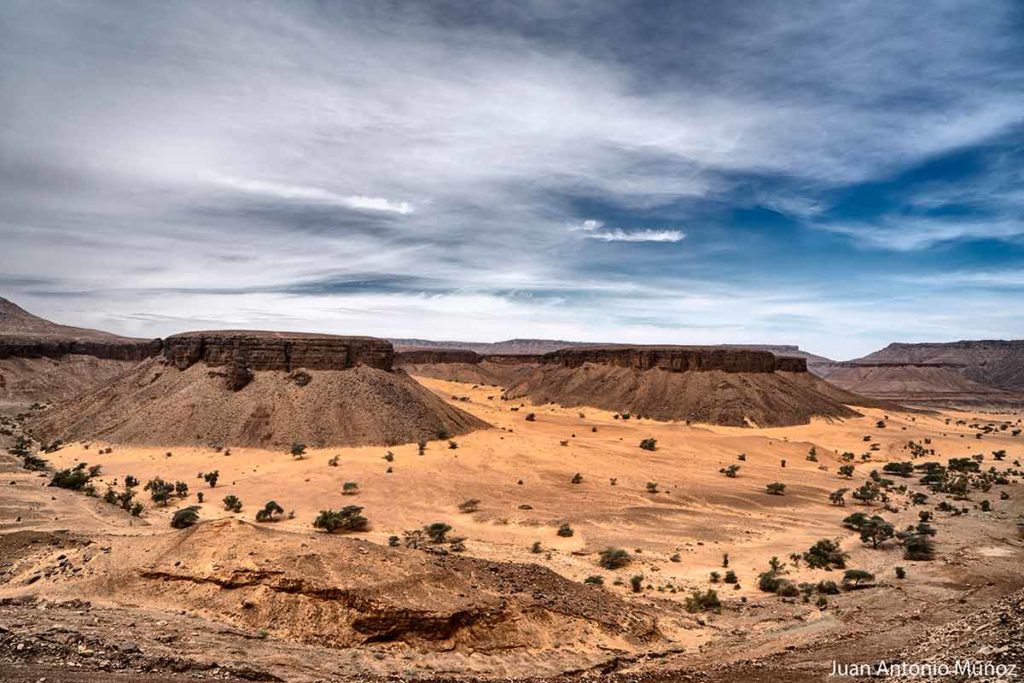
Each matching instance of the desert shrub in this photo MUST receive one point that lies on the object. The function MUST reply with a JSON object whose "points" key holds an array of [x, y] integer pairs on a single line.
{"points": [[787, 589], [181, 489], [270, 512], [349, 518], [730, 577], [917, 546], [469, 505], [857, 578], [614, 558], [636, 582], [731, 471], [876, 530], [536, 548], [868, 492], [565, 530], [855, 521], [715, 577], [531, 417], [776, 488], [986, 506], [652, 487], [452, 445], [838, 497], [901, 469], [232, 504], [159, 490], [703, 602], [846, 471], [577, 478], [828, 588], [211, 478], [74, 478], [768, 582], [349, 488], [130, 481], [421, 446], [649, 444], [437, 531], [333, 462], [297, 450], [901, 573], [136, 509], [825, 554], [394, 541], [595, 580], [185, 517]]}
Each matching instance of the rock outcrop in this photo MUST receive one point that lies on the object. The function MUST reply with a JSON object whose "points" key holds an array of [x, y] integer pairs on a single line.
{"points": [[283, 351], [728, 386], [674, 358]]}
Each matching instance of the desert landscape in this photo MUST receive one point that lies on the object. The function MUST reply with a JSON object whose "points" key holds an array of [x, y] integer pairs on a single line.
{"points": [[469, 341], [270, 506]]}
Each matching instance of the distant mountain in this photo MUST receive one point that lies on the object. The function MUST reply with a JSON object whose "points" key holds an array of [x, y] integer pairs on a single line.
{"points": [[513, 347], [16, 322], [790, 350], [997, 363]]}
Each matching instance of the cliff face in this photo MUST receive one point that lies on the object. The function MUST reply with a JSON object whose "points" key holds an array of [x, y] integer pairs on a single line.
{"points": [[994, 362], [27, 347], [675, 359], [435, 356], [276, 351]]}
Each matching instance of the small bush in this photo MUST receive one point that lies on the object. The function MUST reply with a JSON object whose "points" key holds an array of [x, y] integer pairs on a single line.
{"points": [[349, 518], [232, 503], [649, 444], [185, 517], [703, 602], [776, 488], [565, 530], [469, 505], [614, 558]]}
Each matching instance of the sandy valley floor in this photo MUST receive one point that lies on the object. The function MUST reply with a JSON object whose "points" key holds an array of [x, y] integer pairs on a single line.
{"points": [[521, 472]]}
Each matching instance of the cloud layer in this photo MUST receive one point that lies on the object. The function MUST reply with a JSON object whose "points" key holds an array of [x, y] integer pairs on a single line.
{"points": [[750, 173]]}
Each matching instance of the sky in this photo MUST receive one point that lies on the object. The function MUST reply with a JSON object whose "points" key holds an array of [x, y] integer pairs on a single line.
{"points": [[838, 175]]}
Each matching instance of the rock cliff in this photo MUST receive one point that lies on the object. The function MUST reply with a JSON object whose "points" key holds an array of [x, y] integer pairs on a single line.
{"points": [[675, 358], [284, 351]]}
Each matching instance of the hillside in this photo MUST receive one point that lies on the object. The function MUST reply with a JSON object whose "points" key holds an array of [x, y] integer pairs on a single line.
{"points": [[997, 363], [727, 386], [265, 389], [42, 361]]}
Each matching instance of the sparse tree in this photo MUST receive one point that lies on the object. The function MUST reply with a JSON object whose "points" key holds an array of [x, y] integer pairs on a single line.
{"points": [[232, 503], [298, 450], [776, 488]]}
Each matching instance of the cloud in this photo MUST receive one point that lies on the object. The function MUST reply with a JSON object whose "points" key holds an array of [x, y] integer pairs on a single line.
{"points": [[312, 194], [594, 229], [308, 156]]}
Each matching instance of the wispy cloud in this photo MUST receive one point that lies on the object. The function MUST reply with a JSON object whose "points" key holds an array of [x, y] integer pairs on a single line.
{"points": [[423, 163], [312, 194], [596, 230]]}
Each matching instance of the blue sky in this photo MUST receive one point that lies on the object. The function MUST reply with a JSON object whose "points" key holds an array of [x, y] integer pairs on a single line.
{"points": [[834, 175]]}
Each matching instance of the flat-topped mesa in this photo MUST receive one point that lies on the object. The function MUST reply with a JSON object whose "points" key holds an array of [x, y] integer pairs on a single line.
{"points": [[433, 356], [284, 351], [676, 358]]}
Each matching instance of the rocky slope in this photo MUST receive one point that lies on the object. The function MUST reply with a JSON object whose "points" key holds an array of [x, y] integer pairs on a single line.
{"points": [[924, 383], [996, 363], [41, 361], [728, 386], [260, 389]]}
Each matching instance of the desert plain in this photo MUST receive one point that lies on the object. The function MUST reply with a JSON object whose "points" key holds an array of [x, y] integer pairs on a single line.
{"points": [[516, 589]]}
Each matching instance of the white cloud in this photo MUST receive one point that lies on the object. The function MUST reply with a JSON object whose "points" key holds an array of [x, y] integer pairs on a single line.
{"points": [[312, 194], [594, 229]]}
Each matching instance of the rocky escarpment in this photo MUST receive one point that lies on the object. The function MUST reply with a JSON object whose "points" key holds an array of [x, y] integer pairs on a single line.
{"points": [[918, 383], [728, 386], [39, 347], [265, 389], [284, 351], [675, 359]]}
